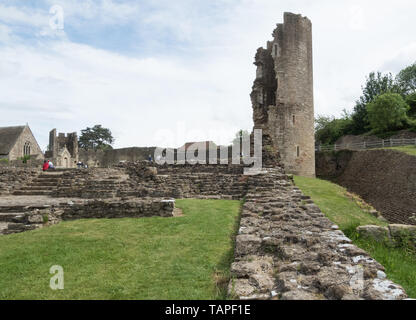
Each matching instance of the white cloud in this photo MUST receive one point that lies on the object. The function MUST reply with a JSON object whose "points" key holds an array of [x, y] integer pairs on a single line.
{"points": [[78, 86], [22, 15], [205, 84], [5, 33]]}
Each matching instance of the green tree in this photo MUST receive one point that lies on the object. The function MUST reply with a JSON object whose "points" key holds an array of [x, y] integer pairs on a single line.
{"points": [[411, 101], [96, 138], [406, 79], [329, 129], [388, 112], [376, 84]]}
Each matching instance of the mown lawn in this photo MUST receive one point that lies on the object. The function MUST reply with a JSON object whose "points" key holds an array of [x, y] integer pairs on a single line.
{"points": [[149, 258], [400, 263]]}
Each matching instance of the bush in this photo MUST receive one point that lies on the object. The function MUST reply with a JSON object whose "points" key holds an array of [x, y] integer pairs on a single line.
{"points": [[24, 159], [388, 112], [411, 101], [329, 129]]}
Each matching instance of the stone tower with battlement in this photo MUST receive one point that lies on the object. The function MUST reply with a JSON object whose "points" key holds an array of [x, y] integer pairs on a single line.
{"points": [[282, 95], [63, 149]]}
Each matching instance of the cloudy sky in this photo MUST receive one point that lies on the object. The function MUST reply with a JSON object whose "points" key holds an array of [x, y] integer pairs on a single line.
{"points": [[159, 72]]}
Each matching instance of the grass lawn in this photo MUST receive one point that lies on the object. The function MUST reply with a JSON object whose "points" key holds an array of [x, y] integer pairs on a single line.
{"points": [[406, 149], [332, 200], [400, 263], [147, 258]]}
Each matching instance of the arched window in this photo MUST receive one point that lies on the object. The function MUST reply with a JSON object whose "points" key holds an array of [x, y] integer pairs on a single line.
{"points": [[26, 149]]}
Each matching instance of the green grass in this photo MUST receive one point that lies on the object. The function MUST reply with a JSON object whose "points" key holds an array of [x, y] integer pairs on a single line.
{"points": [[406, 149], [400, 263], [332, 200], [147, 258]]}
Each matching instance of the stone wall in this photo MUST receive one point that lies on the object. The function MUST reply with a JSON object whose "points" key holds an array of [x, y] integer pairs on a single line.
{"points": [[143, 179], [386, 179], [394, 234], [16, 218], [12, 178], [286, 249], [133, 208], [112, 157]]}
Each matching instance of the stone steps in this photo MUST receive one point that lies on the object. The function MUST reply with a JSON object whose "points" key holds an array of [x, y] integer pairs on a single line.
{"points": [[33, 192], [12, 216], [38, 187], [10, 228]]}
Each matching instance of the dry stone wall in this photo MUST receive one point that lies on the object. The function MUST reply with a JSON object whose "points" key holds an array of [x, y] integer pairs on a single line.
{"points": [[12, 178], [15, 218], [286, 249]]}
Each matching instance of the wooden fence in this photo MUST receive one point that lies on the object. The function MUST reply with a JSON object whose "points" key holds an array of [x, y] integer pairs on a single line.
{"points": [[367, 145]]}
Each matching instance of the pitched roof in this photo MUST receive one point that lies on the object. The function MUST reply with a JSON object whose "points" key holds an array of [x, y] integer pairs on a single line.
{"points": [[8, 138]]}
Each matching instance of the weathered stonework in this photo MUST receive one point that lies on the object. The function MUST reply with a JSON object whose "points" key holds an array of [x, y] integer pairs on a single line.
{"points": [[15, 178], [20, 218], [282, 95], [286, 249], [63, 149]]}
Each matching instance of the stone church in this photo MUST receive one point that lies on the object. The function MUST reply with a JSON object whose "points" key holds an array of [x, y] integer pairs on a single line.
{"points": [[17, 142]]}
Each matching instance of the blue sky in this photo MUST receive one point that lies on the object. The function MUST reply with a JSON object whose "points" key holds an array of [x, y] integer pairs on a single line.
{"points": [[160, 72]]}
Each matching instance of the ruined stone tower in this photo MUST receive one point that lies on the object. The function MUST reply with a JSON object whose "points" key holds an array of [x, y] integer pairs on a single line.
{"points": [[63, 149], [282, 95]]}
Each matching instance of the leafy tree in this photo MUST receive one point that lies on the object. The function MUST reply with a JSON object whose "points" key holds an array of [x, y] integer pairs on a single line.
{"points": [[376, 84], [388, 112], [411, 101], [406, 79], [96, 138], [329, 129]]}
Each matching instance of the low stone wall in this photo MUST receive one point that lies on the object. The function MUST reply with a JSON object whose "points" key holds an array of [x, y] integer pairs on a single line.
{"points": [[12, 178], [143, 179], [286, 249], [176, 181], [112, 157], [386, 179], [31, 163], [15, 218], [98, 209], [394, 234]]}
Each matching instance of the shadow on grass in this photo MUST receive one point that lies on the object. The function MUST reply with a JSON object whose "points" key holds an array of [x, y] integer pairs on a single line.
{"points": [[222, 275]]}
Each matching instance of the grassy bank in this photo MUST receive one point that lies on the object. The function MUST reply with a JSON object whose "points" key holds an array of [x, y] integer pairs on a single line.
{"points": [[347, 213], [406, 149], [152, 258]]}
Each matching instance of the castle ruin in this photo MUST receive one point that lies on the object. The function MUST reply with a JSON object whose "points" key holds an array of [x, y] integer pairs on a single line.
{"points": [[282, 95], [63, 149]]}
